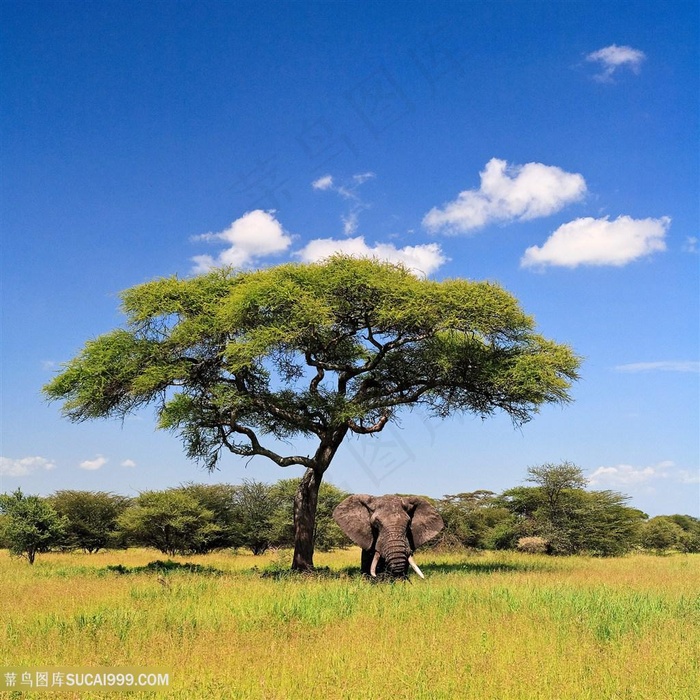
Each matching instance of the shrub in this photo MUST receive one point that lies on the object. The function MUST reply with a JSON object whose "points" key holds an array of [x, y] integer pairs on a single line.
{"points": [[174, 522], [91, 518], [30, 525]]}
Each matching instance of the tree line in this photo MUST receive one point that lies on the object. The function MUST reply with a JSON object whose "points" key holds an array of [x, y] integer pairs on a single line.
{"points": [[555, 515]]}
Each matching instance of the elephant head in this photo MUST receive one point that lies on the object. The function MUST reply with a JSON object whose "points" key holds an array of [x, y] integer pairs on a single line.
{"points": [[389, 529]]}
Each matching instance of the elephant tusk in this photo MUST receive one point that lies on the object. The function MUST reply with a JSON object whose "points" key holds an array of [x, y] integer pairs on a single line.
{"points": [[373, 568], [414, 566]]}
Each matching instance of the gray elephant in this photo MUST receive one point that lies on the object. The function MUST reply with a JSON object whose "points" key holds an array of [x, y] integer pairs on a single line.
{"points": [[389, 529]]}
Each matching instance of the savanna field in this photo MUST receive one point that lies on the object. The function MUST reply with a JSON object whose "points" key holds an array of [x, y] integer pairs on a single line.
{"points": [[489, 626]]}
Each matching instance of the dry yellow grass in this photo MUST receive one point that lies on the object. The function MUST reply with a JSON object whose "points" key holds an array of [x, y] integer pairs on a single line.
{"points": [[492, 626]]}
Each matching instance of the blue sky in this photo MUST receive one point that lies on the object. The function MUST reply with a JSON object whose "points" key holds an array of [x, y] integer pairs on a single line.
{"points": [[551, 146]]}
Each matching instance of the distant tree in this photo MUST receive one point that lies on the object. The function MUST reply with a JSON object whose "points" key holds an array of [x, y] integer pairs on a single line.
{"points": [[470, 519], [30, 524], [507, 533], [233, 359], [571, 519], [690, 539], [255, 505], [661, 534], [554, 481], [527, 505], [171, 521], [91, 518], [221, 500], [4, 542], [602, 524]]}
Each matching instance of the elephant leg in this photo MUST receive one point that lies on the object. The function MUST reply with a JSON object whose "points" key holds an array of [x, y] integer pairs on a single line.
{"points": [[366, 563]]}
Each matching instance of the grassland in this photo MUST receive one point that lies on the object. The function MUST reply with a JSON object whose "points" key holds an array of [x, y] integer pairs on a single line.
{"points": [[489, 626]]}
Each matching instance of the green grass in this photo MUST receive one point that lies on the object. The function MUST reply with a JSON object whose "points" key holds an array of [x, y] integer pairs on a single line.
{"points": [[490, 626]]}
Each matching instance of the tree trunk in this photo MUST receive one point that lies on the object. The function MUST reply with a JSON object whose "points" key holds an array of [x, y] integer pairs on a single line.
{"points": [[305, 502]]}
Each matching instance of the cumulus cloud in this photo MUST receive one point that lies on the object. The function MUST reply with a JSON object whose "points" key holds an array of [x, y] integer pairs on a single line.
{"points": [[629, 475], [256, 234], [24, 465], [508, 193], [589, 241], [94, 464], [128, 463], [420, 259], [662, 366], [613, 57]]}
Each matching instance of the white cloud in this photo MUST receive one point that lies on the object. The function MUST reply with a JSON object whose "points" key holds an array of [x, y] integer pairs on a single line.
{"points": [[691, 244], [94, 464], [323, 183], [508, 193], [348, 192], [663, 366], [420, 259], [688, 477], [24, 466], [613, 57], [590, 241], [361, 178], [128, 463], [350, 223], [628, 475], [256, 234], [631, 477]]}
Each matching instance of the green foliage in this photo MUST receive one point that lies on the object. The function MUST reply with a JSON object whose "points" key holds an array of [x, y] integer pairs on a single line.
{"points": [[30, 525], [254, 510], [662, 534], [470, 519], [229, 357], [221, 501], [554, 480], [569, 518], [690, 537], [166, 567], [172, 521], [91, 518]]}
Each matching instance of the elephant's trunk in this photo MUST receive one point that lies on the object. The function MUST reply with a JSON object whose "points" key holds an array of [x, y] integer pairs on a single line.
{"points": [[395, 551]]}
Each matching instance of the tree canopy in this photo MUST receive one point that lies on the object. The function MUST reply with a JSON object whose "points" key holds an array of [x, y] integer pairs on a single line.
{"points": [[30, 525], [231, 359]]}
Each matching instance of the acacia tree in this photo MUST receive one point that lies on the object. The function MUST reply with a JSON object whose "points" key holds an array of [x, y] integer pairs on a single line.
{"points": [[241, 360], [91, 517], [30, 525]]}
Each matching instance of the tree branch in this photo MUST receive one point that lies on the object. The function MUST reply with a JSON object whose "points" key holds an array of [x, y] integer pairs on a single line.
{"points": [[256, 448], [366, 430]]}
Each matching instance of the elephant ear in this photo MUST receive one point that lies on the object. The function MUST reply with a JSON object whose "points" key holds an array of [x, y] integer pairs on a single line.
{"points": [[426, 522], [353, 517]]}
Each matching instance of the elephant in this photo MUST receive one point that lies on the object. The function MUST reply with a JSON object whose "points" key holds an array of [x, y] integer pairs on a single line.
{"points": [[389, 529]]}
